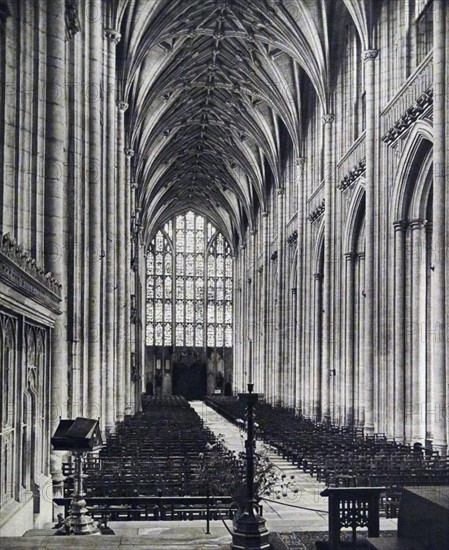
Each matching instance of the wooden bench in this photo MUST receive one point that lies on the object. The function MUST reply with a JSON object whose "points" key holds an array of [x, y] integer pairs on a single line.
{"points": [[423, 522]]}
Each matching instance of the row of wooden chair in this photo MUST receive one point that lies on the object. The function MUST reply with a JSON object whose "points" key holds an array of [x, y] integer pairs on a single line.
{"points": [[342, 455], [160, 451]]}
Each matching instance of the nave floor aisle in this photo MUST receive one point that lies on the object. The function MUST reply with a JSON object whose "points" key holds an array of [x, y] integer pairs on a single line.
{"points": [[312, 516], [279, 517]]}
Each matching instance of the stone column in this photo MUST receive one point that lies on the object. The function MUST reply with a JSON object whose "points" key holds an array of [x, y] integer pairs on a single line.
{"points": [[437, 414], [255, 370], [236, 325], [399, 330], [418, 304], [326, 365], [369, 57], [122, 234], [130, 277], [280, 366], [113, 38], [291, 342], [359, 371], [348, 405], [300, 290], [56, 197], [317, 382], [243, 319], [95, 211], [265, 275], [55, 216]]}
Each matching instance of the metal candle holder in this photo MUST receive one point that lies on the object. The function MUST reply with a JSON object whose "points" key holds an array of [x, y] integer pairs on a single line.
{"points": [[250, 532]]}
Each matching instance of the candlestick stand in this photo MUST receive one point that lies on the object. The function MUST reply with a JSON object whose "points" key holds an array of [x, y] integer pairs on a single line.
{"points": [[250, 532], [79, 523]]}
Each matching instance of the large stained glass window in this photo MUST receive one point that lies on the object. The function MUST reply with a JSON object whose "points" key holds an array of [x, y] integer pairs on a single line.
{"points": [[189, 285]]}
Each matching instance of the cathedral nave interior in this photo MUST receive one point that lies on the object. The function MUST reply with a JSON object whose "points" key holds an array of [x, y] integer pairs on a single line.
{"points": [[200, 194]]}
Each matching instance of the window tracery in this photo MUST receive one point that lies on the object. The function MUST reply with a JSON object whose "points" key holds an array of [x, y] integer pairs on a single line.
{"points": [[189, 285]]}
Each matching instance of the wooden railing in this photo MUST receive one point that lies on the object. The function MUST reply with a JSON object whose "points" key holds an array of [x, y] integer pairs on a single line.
{"points": [[156, 508]]}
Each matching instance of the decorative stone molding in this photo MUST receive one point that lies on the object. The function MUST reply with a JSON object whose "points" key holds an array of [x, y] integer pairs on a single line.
{"points": [[417, 224], [293, 238], [350, 256], [72, 20], [260, 269], [411, 114], [129, 152], [300, 161], [113, 36], [418, 83], [281, 192], [328, 118], [369, 55], [318, 276], [317, 212], [353, 174], [122, 105], [19, 271], [274, 256], [400, 225]]}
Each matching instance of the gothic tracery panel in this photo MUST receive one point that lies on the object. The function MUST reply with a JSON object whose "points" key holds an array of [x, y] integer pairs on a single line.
{"points": [[189, 285], [8, 373]]}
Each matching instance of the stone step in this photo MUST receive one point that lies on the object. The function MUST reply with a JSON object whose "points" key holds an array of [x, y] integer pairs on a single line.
{"points": [[111, 542]]}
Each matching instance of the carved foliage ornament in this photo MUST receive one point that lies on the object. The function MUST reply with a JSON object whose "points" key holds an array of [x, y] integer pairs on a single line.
{"points": [[293, 238], [19, 271], [414, 112], [317, 212], [353, 174]]}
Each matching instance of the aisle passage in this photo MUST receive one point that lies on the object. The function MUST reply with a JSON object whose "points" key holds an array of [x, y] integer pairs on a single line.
{"points": [[312, 516], [304, 511]]}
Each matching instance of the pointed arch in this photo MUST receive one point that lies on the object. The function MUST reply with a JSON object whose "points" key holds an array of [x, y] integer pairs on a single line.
{"points": [[355, 212], [318, 259], [411, 211], [416, 153]]}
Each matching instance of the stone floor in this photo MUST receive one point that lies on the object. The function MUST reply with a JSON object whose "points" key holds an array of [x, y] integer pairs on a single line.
{"points": [[303, 512], [135, 535]]}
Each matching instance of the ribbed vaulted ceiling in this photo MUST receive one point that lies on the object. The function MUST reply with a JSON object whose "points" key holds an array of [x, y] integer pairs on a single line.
{"points": [[212, 85]]}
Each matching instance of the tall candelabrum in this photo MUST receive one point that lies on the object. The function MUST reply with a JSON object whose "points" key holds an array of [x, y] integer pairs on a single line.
{"points": [[79, 522], [250, 532]]}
